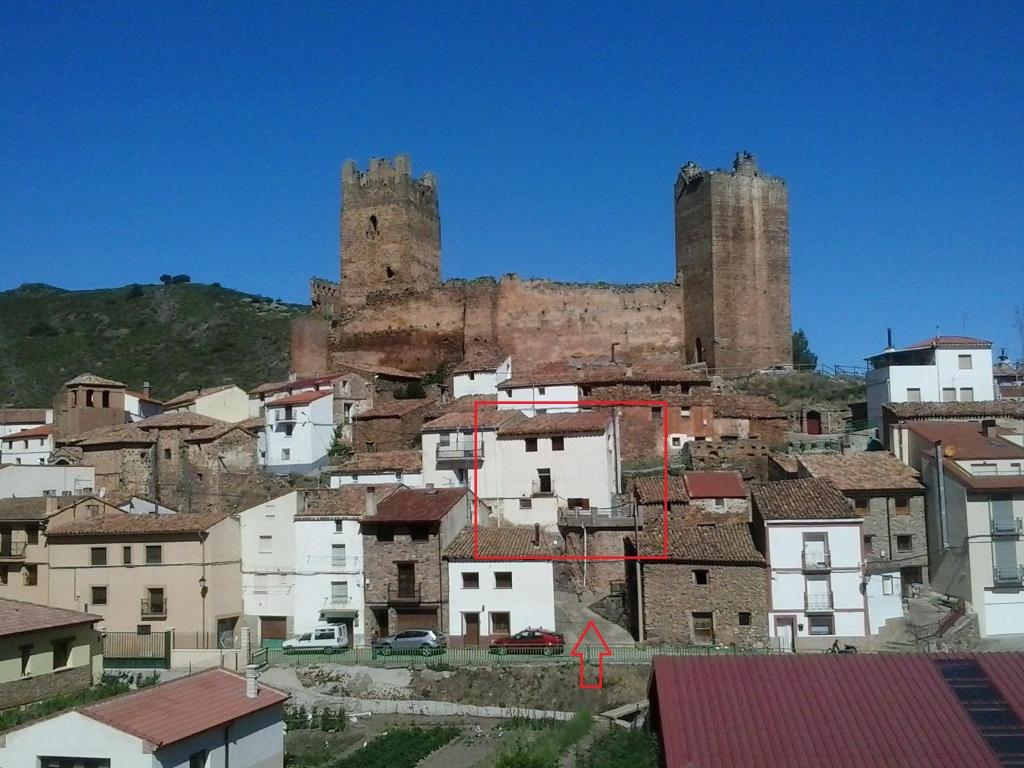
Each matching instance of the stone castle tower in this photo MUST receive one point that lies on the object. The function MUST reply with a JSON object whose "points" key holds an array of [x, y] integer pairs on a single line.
{"points": [[390, 230], [732, 258]]}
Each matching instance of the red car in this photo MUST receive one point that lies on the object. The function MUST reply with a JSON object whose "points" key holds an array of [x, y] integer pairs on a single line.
{"points": [[531, 641]]}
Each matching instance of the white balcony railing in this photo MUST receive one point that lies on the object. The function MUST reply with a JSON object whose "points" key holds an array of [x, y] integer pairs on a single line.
{"points": [[816, 560], [818, 602], [1007, 526]]}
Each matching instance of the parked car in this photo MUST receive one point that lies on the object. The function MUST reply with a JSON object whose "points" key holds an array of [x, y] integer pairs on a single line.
{"points": [[423, 641], [531, 640], [774, 370], [323, 638]]}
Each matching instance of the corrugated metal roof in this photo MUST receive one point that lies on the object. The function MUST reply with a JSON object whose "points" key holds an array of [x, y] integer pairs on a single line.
{"points": [[823, 711]]}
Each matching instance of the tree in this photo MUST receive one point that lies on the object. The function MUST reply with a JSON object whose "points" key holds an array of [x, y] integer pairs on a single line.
{"points": [[179, 279], [165, 279], [803, 357], [339, 447]]}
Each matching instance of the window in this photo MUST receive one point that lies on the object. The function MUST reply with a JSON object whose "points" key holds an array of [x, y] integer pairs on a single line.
{"points": [[61, 652], [743, 619], [339, 526], [259, 584], [700, 577], [557, 443], [26, 659], [913, 394], [385, 534], [154, 554], [901, 505], [820, 625], [99, 595], [677, 442], [93, 510], [948, 394], [503, 579], [578, 503], [964, 362], [338, 555], [541, 390], [531, 445], [197, 759], [472, 376], [585, 391], [967, 394], [500, 623], [886, 585], [719, 502], [339, 592], [419, 533], [905, 543], [286, 454], [126, 555], [544, 480], [105, 398], [167, 453], [703, 628], [470, 580], [3, 573], [31, 534], [98, 555], [656, 412], [266, 545], [90, 398], [73, 762], [655, 389], [861, 505], [869, 543], [444, 439], [526, 503], [31, 576], [154, 603]]}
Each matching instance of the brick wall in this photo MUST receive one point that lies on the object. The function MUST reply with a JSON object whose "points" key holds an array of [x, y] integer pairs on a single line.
{"points": [[29, 689], [380, 570], [884, 524], [599, 574], [391, 434]]}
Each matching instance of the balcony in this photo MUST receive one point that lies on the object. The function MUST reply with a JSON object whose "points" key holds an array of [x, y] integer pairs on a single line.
{"points": [[819, 603], [1008, 577], [405, 593], [459, 454], [816, 561], [154, 609], [12, 550], [1007, 526], [624, 516], [540, 487]]}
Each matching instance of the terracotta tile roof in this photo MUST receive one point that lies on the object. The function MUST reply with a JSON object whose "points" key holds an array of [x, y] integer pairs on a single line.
{"points": [[314, 382], [270, 386], [375, 368], [18, 617], [300, 398], [391, 409], [27, 508], [417, 505], [720, 543], [488, 360], [650, 490], [715, 485], [786, 462], [187, 398], [43, 431], [171, 712], [249, 426], [869, 471], [965, 440], [555, 424], [383, 461], [731, 406], [855, 711], [498, 542], [808, 498], [92, 378], [127, 434], [22, 415], [142, 525], [178, 420], [142, 396], [606, 373], [977, 409], [487, 418], [347, 501], [951, 342]]}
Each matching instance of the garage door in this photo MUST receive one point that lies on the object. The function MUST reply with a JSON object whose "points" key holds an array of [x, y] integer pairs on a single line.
{"points": [[273, 628], [416, 619]]}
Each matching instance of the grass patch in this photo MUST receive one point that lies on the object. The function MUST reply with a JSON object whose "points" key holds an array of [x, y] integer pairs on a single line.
{"points": [[797, 387], [620, 747], [544, 749], [400, 748], [109, 685]]}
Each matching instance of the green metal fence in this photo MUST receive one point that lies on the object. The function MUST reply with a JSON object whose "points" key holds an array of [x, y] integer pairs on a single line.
{"points": [[471, 657]]}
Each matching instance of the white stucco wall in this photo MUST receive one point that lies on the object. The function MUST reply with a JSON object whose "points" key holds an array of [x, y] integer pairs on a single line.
{"points": [[546, 394], [882, 606], [408, 479], [310, 440], [268, 580], [28, 450], [73, 735], [230, 404], [316, 571], [34, 480], [530, 602]]}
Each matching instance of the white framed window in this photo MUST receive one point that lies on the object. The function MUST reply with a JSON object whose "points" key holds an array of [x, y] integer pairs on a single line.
{"points": [[266, 545], [949, 394], [964, 362], [286, 454], [967, 394], [337, 555], [913, 394], [339, 592]]}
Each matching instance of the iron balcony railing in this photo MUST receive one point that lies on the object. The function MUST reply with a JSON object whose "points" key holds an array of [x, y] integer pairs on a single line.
{"points": [[154, 609], [1008, 576], [12, 550], [1007, 526], [818, 603], [405, 593], [817, 560], [458, 452]]}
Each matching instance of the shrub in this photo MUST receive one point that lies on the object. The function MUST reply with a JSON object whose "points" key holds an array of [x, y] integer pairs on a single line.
{"points": [[135, 292], [620, 747], [412, 391], [165, 279], [180, 279]]}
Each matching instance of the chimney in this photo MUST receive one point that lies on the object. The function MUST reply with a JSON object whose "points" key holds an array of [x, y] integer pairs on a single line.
{"points": [[536, 534], [252, 673], [147, 390], [371, 500], [889, 347], [987, 425]]}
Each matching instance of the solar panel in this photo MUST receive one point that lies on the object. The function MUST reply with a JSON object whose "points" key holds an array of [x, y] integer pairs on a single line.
{"points": [[988, 710]]}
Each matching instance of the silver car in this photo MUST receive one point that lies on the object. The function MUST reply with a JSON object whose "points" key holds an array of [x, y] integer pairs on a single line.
{"points": [[423, 641]]}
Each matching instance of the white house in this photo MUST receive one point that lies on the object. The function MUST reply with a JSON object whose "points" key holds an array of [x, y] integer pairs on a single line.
{"points": [[31, 446], [140, 405], [353, 394], [546, 391], [14, 420], [380, 467], [812, 541], [299, 432], [939, 369], [213, 719], [228, 403], [448, 455], [267, 534], [34, 480], [974, 478], [481, 375], [492, 597]]}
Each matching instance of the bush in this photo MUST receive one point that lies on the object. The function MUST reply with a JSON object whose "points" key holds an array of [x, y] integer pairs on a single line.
{"points": [[165, 279], [109, 685], [180, 279], [620, 747], [135, 292], [412, 391]]}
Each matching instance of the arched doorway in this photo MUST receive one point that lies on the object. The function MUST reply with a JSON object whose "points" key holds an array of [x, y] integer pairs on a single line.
{"points": [[812, 423]]}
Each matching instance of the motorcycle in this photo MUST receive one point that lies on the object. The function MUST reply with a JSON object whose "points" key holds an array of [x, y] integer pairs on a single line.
{"points": [[836, 648]]}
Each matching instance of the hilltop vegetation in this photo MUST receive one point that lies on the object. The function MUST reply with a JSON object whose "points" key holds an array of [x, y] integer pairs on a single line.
{"points": [[176, 336], [800, 387]]}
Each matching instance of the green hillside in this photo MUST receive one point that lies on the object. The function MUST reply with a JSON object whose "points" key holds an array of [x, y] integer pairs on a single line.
{"points": [[177, 337]]}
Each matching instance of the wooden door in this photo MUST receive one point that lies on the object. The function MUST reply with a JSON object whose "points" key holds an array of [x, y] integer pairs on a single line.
{"points": [[273, 628], [812, 424], [784, 633], [471, 635], [416, 619]]}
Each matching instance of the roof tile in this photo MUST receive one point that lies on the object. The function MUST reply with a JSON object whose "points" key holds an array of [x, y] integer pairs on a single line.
{"points": [[545, 424], [867, 471], [417, 505], [18, 617], [492, 542], [808, 498], [715, 485], [132, 525]]}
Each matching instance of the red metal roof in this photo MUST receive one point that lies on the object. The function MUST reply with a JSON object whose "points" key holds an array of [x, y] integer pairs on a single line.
{"points": [[416, 505], [170, 712], [301, 398], [823, 711], [715, 485]]}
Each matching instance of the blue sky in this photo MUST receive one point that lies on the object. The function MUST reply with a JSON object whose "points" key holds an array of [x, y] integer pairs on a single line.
{"points": [[143, 138]]}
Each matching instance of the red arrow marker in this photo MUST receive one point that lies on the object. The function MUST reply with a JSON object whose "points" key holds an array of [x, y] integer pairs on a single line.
{"points": [[605, 651]]}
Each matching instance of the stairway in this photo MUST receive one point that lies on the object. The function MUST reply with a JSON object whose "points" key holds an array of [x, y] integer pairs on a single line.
{"points": [[572, 616]]}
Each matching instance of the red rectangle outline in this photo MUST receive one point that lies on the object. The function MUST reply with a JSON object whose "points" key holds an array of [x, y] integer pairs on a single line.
{"points": [[585, 558]]}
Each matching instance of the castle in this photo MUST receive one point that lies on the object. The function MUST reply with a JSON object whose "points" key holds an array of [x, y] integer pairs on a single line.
{"points": [[729, 305]]}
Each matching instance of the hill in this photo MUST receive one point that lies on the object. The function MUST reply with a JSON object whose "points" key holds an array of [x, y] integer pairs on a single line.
{"points": [[177, 337], [792, 389]]}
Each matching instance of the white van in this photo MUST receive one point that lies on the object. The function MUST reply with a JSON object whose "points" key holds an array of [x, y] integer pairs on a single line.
{"points": [[323, 637]]}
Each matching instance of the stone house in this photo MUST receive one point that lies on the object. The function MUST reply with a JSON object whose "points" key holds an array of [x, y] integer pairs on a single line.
{"points": [[352, 394], [649, 494], [711, 589], [46, 652], [717, 497], [732, 417], [403, 546], [819, 418], [122, 456], [480, 374], [392, 425]]}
